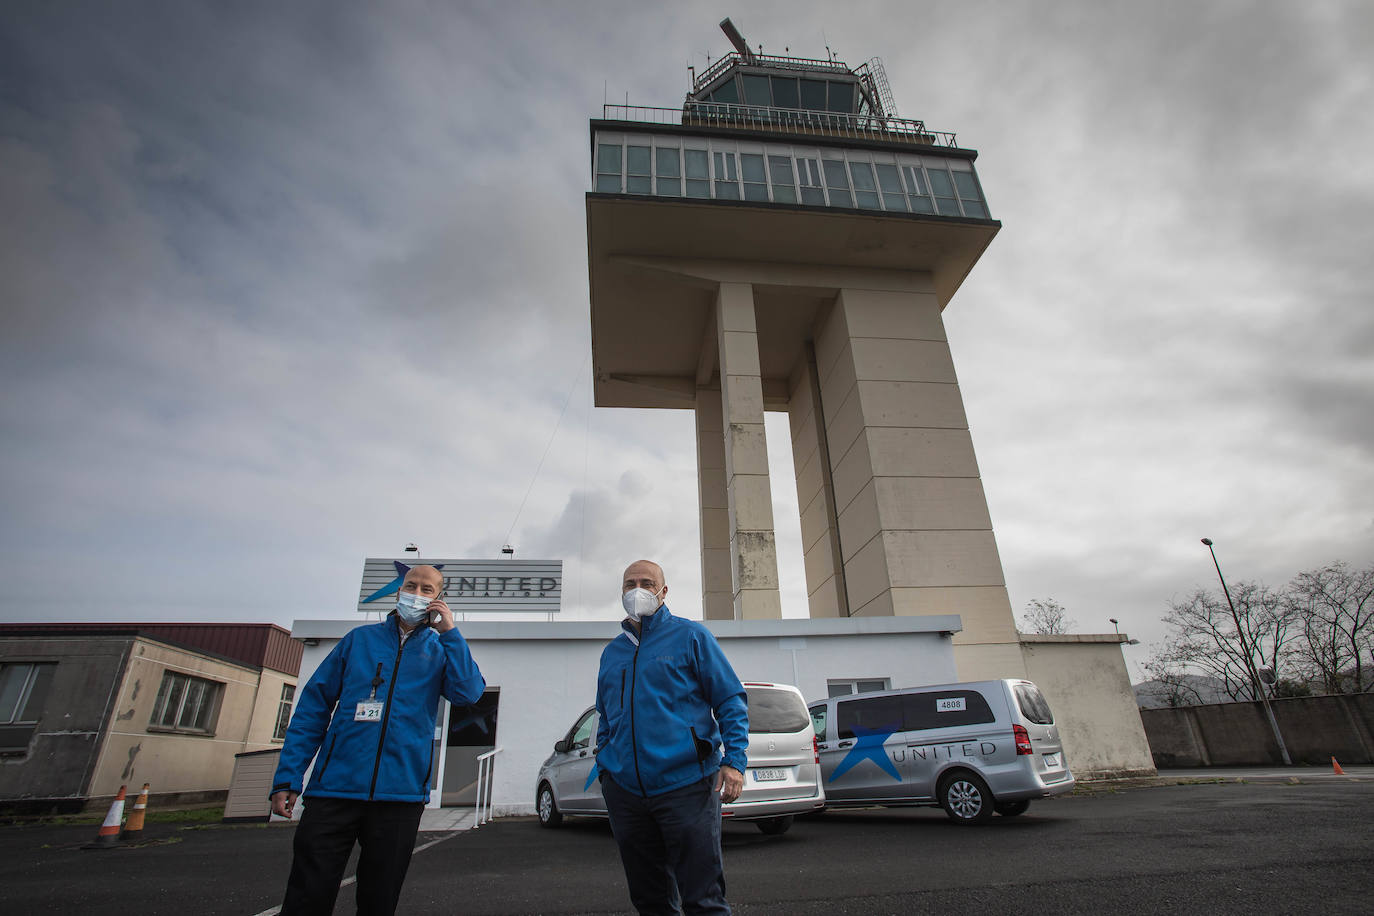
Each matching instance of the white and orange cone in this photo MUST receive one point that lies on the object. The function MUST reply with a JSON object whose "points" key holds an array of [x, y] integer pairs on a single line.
{"points": [[1336, 768], [108, 837], [134, 828]]}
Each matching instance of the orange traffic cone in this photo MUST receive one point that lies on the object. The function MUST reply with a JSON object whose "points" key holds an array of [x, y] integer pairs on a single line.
{"points": [[1336, 767], [134, 828], [108, 837]]}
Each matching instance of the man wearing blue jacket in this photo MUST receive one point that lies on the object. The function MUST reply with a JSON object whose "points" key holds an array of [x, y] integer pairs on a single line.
{"points": [[667, 699], [368, 711]]}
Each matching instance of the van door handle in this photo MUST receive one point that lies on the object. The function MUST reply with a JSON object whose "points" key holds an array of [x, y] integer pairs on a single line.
{"points": [[845, 744], [582, 753]]}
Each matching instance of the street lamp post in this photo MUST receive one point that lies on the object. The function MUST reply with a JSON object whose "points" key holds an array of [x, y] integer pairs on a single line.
{"points": [[1249, 659], [1115, 624]]}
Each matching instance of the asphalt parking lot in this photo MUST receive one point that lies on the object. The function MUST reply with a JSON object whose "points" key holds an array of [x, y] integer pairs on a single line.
{"points": [[1215, 848]]}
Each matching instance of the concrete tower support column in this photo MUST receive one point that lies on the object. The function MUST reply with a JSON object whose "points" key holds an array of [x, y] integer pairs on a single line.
{"points": [[717, 590], [825, 592], [915, 534], [753, 552]]}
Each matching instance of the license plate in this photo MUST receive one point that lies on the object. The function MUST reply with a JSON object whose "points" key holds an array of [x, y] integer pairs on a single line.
{"points": [[768, 775], [1051, 760]]}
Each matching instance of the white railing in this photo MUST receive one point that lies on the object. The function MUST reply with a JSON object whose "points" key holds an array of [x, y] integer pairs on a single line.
{"points": [[481, 811]]}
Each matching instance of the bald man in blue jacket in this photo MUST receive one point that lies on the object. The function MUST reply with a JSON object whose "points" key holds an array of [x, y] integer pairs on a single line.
{"points": [[672, 741]]}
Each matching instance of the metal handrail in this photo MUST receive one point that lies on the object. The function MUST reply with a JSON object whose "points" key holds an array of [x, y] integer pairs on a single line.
{"points": [[485, 769], [770, 60], [786, 120]]}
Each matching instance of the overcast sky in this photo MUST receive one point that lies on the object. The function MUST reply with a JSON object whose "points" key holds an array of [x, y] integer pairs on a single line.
{"points": [[286, 285]]}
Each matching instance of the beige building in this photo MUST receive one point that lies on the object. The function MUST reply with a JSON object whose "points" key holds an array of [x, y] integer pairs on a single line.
{"points": [[97, 706], [786, 242]]}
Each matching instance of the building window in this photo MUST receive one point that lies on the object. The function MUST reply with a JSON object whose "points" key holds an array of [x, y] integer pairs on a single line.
{"points": [[946, 203], [23, 692], [288, 695], [809, 170], [637, 170], [755, 179], [837, 181], [186, 704], [970, 195], [891, 184], [865, 190], [784, 187], [727, 176], [608, 168], [916, 189], [698, 163], [844, 688], [668, 171]]}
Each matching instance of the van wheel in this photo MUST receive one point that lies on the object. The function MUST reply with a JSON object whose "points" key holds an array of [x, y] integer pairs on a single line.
{"points": [[1011, 809], [549, 815], [965, 798], [775, 826]]}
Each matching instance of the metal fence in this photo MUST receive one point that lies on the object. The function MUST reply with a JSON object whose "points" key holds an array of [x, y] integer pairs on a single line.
{"points": [[784, 120]]}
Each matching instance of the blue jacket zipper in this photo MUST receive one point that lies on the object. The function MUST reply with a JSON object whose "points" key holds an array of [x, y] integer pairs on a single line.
{"points": [[386, 716], [634, 735]]}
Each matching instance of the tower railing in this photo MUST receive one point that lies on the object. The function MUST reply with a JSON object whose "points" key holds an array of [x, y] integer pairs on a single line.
{"points": [[773, 61], [784, 120]]}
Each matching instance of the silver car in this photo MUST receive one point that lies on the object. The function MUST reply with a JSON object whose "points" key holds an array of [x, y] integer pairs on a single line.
{"points": [[782, 780], [972, 748]]}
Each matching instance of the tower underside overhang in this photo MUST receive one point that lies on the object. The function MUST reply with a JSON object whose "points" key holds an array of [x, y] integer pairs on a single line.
{"points": [[654, 267]]}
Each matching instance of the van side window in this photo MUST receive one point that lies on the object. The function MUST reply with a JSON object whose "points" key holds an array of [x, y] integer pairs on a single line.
{"points": [[583, 732], [1033, 705], [818, 716], [859, 717], [945, 708]]}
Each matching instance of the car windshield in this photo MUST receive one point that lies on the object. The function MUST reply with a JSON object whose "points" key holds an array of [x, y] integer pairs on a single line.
{"points": [[772, 710]]}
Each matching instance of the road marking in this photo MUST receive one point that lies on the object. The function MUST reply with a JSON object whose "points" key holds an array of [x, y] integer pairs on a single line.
{"points": [[351, 879]]}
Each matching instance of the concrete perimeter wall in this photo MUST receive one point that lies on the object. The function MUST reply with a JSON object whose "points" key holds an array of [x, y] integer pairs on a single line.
{"points": [[1315, 729]]}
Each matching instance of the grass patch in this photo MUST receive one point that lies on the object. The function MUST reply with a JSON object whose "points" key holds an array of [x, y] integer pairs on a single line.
{"points": [[200, 815]]}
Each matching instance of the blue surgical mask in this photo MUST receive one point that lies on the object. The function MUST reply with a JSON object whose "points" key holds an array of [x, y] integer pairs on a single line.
{"points": [[411, 607]]}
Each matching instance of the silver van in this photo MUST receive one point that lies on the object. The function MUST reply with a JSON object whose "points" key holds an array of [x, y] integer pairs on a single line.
{"points": [[783, 778], [973, 749]]}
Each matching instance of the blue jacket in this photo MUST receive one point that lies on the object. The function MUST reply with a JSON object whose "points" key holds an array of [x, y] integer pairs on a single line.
{"points": [[388, 760], [666, 700]]}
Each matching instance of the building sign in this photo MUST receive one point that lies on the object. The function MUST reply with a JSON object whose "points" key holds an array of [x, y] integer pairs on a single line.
{"points": [[499, 586]]}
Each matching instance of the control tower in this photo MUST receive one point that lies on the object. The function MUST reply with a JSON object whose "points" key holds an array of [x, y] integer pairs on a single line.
{"points": [[785, 241]]}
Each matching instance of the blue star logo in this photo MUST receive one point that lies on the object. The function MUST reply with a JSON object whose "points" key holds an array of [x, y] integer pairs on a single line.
{"points": [[868, 747], [591, 778], [394, 585]]}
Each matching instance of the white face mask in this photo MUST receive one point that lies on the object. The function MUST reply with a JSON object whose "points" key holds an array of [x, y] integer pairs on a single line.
{"points": [[410, 607], [640, 602]]}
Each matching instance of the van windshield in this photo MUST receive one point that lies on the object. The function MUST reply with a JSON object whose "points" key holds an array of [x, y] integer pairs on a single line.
{"points": [[772, 711], [1033, 705]]}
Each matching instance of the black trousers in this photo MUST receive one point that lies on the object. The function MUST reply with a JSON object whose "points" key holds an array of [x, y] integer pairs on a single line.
{"points": [[328, 828], [670, 847]]}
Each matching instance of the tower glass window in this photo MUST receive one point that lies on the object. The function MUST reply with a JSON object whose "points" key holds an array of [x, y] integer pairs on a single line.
{"points": [[668, 171], [698, 168], [809, 170], [756, 90], [916, 189], [865, 190], [755, 179], [727, 176], [726, 92], [608, 168], [784, 187], [813, 94], [842, 97], [891, 185], [637, 170], [785, 92], [837, 182], [969, 194], [946, 203]]}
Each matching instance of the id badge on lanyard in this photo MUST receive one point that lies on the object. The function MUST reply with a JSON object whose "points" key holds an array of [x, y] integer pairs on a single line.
{"points": [[370, 710]]}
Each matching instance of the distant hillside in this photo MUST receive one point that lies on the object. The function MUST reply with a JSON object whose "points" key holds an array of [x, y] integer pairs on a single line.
{"points": [[1154, 694]]}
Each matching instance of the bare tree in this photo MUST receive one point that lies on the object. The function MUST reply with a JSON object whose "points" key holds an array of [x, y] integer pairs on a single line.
{"points": [[1174, 683], [1335, 608], [1203, 637], [1047, 617]]}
